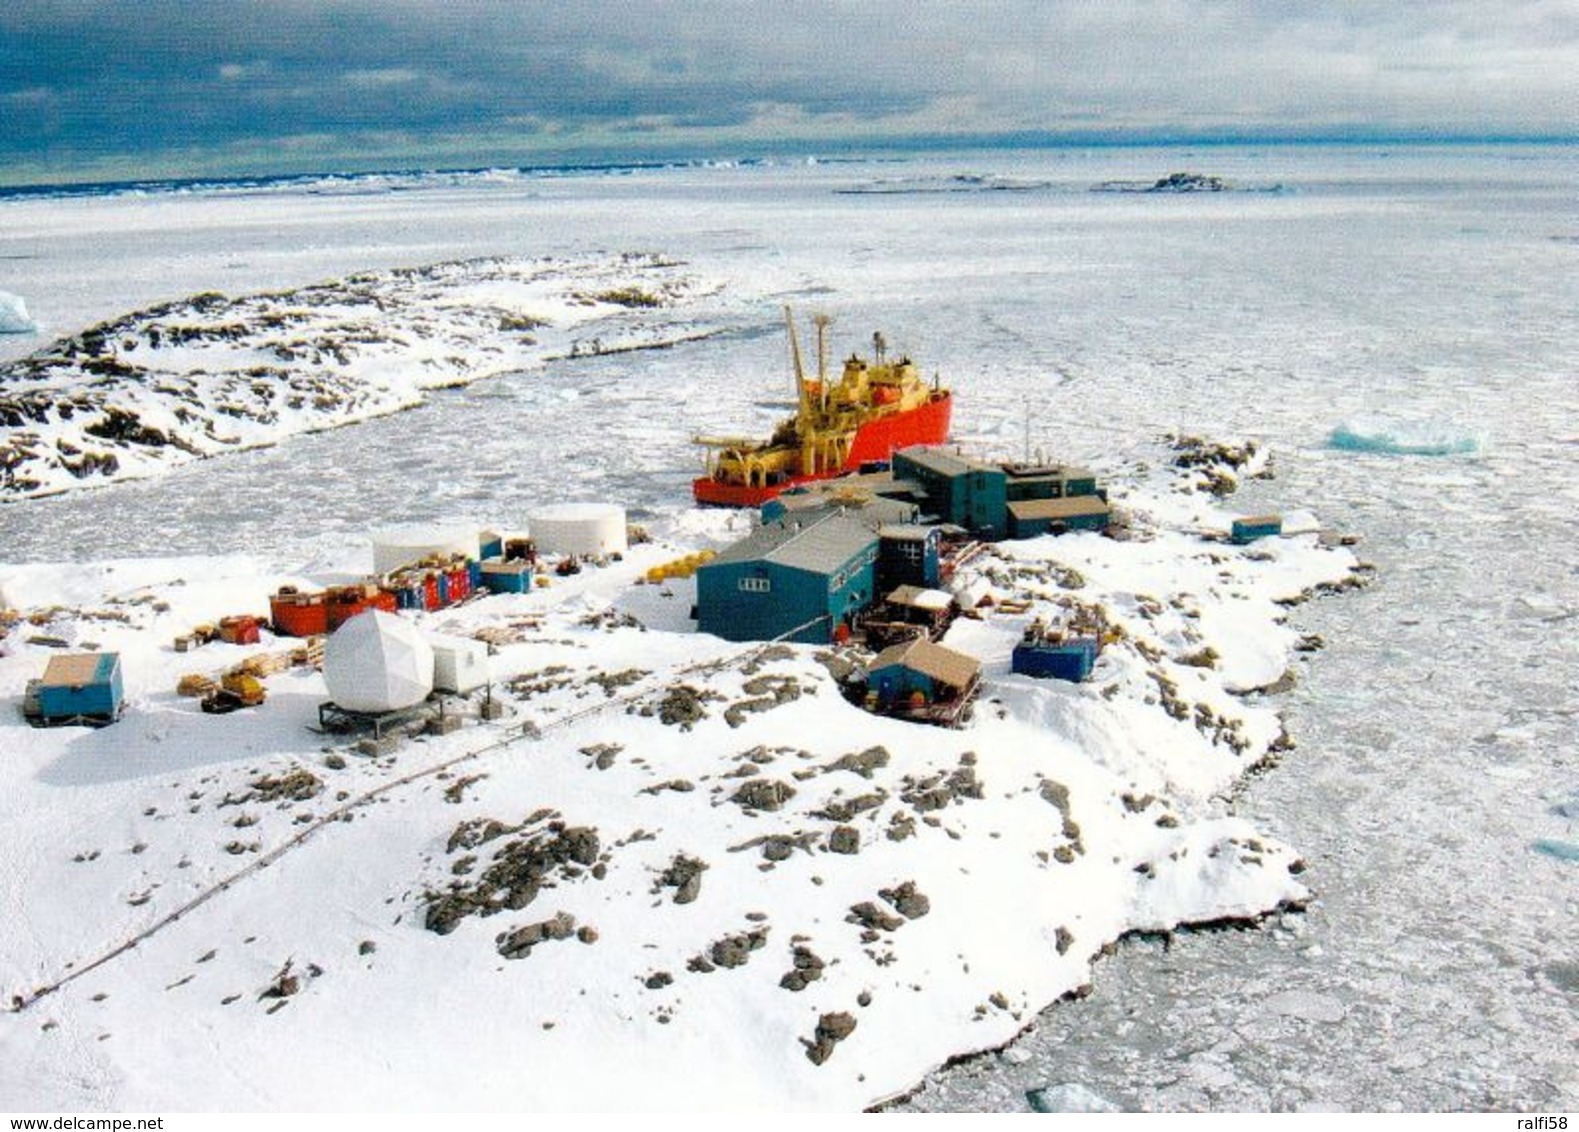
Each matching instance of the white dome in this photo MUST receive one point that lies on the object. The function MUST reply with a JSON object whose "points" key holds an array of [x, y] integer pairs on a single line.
{"points": [[397, 546], [377, 662], [579, 528]]}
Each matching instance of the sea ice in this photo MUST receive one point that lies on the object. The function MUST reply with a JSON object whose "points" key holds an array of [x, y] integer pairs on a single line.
{"points": [[1394, 437], [1069, 1098], [13, 315]]}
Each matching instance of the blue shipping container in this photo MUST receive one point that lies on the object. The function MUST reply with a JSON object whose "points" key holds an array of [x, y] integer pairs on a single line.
{"points": [[501, 577], [1072, 660], [1256, 526], [85, 685]]}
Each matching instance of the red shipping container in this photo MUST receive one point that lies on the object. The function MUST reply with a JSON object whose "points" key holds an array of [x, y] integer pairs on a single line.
{"points": [[299, 615], [239, 630]]}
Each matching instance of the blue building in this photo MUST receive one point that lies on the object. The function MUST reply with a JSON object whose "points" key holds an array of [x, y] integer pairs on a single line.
{"points": [[1031, 517], [909, 555], [960, 490], [802, 579]]}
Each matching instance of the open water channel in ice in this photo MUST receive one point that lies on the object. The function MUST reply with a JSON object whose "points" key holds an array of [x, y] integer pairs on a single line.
{"points": [[1405, 294]]}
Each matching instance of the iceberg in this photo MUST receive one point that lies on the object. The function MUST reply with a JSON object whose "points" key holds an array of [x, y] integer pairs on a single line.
{"points": [[1392, 437], [13, 315], [1561, 850], [1072, 1097]]}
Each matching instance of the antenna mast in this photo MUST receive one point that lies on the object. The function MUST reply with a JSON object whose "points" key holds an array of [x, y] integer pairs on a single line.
{"points": [[821, 321]]}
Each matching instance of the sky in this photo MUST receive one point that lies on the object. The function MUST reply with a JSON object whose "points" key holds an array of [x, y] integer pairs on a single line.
{"points": [[101, 89]]}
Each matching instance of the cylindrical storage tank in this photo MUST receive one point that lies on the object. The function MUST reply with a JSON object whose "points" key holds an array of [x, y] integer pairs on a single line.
{"points": [[377, 662], [579, 528], [397, 546]]}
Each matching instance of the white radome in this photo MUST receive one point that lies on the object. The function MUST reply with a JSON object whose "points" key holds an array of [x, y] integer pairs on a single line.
{"points": [[377, 662]]}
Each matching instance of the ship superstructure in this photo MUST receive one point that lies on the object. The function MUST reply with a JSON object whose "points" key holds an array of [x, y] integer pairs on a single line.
{"points": [[874, 408]]}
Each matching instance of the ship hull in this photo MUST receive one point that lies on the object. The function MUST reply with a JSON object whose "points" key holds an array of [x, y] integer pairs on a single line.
{"points": [[874, 441]]}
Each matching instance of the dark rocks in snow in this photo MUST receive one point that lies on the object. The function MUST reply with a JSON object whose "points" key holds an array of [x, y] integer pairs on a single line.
{"points": [[1188, 183], [831, 1030], [763, 794], [602, 754], [873, 918], [863, 763], [806, 968], [518, 944], [907, 900], [683, 706], [844, 809], [735, 950], [937, 791], [684, 875], [518, 871], [284, 984], [844, 839]]}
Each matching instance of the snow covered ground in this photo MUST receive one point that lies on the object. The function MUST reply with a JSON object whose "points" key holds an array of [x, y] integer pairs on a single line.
{"points": [[1378, 295], [899, 893]]}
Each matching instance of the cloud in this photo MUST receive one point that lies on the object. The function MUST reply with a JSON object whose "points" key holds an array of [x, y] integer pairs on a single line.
{"points": [[164, 75], [232, 72], [381, 78]]}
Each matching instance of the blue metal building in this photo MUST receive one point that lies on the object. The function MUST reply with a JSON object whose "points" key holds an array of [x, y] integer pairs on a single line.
{"points": [[909, 555], [960, 490], [1031, 517], [797, 578]]}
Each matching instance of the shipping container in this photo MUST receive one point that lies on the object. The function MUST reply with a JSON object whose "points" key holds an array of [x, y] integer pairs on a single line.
{"points": [[502, 577], [1253, 527], [297, 614], [81, 688], [1071, 659]]}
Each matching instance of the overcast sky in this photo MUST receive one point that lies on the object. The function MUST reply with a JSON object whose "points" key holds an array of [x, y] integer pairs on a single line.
{"points": [[165, 87]]}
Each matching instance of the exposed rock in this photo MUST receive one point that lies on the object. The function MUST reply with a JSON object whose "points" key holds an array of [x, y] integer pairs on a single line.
{"points": [[518, 944], [684, 875], [907, 901], [845, 809], [863, 763], [518, 870], [735, 950], [844, 839], [831, 1030], [806, 969], [870, 916], [763, 794]]}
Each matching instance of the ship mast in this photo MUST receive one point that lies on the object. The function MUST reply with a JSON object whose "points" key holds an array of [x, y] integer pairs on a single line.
{"points": [[821, 321], [800, 370]]}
